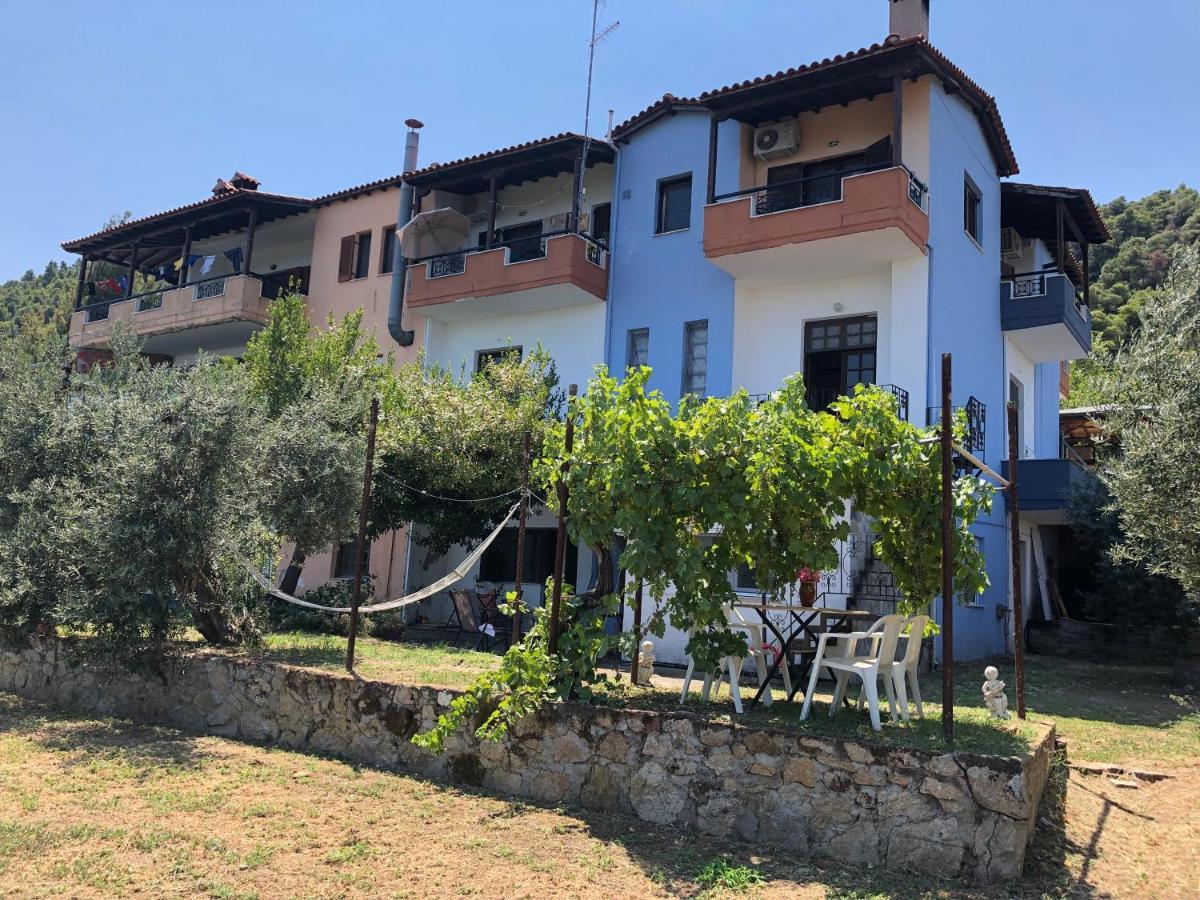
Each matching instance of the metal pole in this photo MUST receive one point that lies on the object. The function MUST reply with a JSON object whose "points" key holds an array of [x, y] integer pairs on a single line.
{"points": [[947, 446], [637, 632], [187, 251], [1014, 528], [363, 511], [560, 544], [248, 246], [516, 625], [711, 189]]}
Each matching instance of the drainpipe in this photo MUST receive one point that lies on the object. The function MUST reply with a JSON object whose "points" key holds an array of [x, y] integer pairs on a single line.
{"points": [[403, 215]]}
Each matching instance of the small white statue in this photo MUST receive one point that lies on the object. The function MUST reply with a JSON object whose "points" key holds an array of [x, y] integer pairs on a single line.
{"points": [[645, 663], [993, 693]]}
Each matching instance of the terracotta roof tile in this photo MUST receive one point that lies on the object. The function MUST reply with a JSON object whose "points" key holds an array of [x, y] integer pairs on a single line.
{"points": [[665, 104]]}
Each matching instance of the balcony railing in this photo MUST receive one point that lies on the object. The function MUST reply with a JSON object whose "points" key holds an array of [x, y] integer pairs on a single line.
{"points": [[816, 189], [821, 398], [976, 411], [517, 250]]}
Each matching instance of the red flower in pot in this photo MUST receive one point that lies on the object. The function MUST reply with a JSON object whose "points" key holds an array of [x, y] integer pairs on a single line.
{"points": [[808, 585]]}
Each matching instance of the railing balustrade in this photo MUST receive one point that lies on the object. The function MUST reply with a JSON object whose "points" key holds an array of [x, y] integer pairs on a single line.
{"points": [[454, 262], [815, 189]]}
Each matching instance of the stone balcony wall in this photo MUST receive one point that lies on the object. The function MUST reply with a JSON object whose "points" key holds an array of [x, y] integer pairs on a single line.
{"points": [[944, 815]]}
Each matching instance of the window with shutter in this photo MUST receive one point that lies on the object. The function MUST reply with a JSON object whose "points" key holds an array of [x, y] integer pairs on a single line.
{"points": [[346, 259]]}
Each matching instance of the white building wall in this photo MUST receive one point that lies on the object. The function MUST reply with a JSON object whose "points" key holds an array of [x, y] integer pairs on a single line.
{"points": [[1020, 367]]}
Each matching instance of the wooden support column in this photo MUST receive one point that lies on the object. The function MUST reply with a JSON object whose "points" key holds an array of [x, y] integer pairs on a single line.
{"points": [[81, 282], [490, 238], [560, 544], [364, 511], [897, 120], [576, 185], [711, 196], [636, 656], [947, 448], [517, 578], [1014, 529], [1061, 238], [133, 258], [187, 251], [1087, 275], [248, 247]]}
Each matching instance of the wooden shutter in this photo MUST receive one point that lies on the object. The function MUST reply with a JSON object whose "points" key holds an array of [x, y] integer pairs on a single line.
{"points": [[346, 259]]}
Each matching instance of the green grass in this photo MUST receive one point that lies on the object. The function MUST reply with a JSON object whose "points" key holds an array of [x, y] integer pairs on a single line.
{"points": [[721, 873], [432, 664], [1106, 713]]}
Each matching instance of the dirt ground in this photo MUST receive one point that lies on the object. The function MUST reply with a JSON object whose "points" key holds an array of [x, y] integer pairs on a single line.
{"points": [[100, 808]]}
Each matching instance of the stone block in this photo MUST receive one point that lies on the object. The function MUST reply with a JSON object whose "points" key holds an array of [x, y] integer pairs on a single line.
{"points": [[999, 791], [605, 788], [550, 787], [931, 847], [658, 797], [716, 737], [801, 770]]}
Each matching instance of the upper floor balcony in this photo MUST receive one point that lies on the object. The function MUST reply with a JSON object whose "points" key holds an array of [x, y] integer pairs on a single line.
{"points": [[1045, 279], [195, 278], [865, 215], [547, 271], [1044, 486], [517, 230], [1045, 316]]}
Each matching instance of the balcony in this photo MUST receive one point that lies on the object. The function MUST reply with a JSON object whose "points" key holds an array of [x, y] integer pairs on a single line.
{"points": [[215, 313], [821, 227], [1044, 316], [527, 275], [1044, 487]]}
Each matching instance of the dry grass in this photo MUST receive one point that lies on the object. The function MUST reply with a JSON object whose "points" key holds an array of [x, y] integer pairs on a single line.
{"points": [[100, 808]]}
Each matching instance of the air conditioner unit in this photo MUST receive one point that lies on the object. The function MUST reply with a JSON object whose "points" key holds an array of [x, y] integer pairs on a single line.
{"points": [[1011, 245], [780, 139]]}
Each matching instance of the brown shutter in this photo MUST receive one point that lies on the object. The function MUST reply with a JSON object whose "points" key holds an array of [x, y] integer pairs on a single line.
{"points": [[346, 259]]}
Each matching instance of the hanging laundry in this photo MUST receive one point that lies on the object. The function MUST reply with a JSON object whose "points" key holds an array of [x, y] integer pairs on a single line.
{"points": [[123, 282], [193, 259], [235, 258], [206, 266], [110, 284]]}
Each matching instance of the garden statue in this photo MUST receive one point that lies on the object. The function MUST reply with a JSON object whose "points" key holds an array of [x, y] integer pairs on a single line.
{"points": [[645, 663], [993, 693]]}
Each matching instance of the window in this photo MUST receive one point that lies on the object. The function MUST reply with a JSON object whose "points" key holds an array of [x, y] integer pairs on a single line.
{"points": [[601, 226], [344, 559], [838, 354], [524, 242], [972, 210], [354, 260], [387, 259], [1016, 396], [484, 358], [674, 204], [745, 579], [499, 562], [695, 359], [637, 348]]}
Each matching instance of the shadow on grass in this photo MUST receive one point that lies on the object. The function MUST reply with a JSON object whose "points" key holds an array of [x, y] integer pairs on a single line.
{"points": [[94, 741], [1120, 694]]}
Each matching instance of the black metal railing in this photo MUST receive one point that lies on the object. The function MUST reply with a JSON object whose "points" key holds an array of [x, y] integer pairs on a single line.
{"points": [[815, 189], [1027, 285], [97, 309], [276, 283], [976, 411], [821, 398], [519, 250]]}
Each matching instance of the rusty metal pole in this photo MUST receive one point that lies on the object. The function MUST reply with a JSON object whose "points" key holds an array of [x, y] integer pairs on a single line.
{"points": [[560, 544], [363, 511], [637, 633], [1014, 528], [516, 625], [947, 447]]}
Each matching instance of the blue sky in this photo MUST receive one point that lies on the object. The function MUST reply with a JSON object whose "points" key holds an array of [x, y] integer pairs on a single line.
{"points": [[141, 106]]}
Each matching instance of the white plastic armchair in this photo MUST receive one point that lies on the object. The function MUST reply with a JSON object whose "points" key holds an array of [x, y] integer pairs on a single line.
{"points": [[883, 636], [731, 666], [905, 668]]}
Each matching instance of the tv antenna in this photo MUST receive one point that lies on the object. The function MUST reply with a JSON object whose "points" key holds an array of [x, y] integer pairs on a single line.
{"points": [[597, 38]]}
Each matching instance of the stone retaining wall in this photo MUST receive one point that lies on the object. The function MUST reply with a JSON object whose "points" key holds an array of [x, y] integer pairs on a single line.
{"points": [[944, 815]]}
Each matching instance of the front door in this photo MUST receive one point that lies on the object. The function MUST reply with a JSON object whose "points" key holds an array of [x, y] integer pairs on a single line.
{"points": [[838, 354]]}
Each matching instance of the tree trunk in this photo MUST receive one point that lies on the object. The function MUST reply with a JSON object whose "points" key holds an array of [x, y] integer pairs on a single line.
{"points": [[291, 576], [214, 619]]}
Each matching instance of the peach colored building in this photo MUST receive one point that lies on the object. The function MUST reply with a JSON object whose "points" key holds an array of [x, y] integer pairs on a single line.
{"points": [[218, 263]]}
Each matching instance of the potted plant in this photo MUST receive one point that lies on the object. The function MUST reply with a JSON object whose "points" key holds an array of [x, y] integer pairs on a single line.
{"points": [[808, 585]]}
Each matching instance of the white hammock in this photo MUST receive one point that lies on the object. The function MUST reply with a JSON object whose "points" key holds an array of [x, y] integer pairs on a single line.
{"points": [[459, 572]]}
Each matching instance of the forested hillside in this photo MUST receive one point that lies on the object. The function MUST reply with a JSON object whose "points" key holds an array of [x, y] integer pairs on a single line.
{"points": [[38, 307], [1145, 232]]}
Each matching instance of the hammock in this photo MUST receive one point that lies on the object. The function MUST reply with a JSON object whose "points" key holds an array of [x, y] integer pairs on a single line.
{"points": [[459, 572]]}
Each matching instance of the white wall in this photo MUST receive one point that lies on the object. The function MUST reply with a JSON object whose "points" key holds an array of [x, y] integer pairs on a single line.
{"points": [[573, 336], [283, 244], [1020, 367], [769, 322]]}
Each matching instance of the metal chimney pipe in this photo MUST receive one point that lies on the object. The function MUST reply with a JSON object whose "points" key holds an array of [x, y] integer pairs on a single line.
{"points": [[403, 216]]}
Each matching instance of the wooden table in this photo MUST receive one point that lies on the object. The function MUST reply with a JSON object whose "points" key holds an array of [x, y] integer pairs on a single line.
{"points": [[806, 621]]}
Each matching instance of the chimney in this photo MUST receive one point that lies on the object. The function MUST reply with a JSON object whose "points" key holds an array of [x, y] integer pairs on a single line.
{"points": [[909, 18]]}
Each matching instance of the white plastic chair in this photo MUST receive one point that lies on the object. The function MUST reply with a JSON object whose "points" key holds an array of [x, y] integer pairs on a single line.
{"points": [[906, 668], [731, 666], [883, 635]]}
